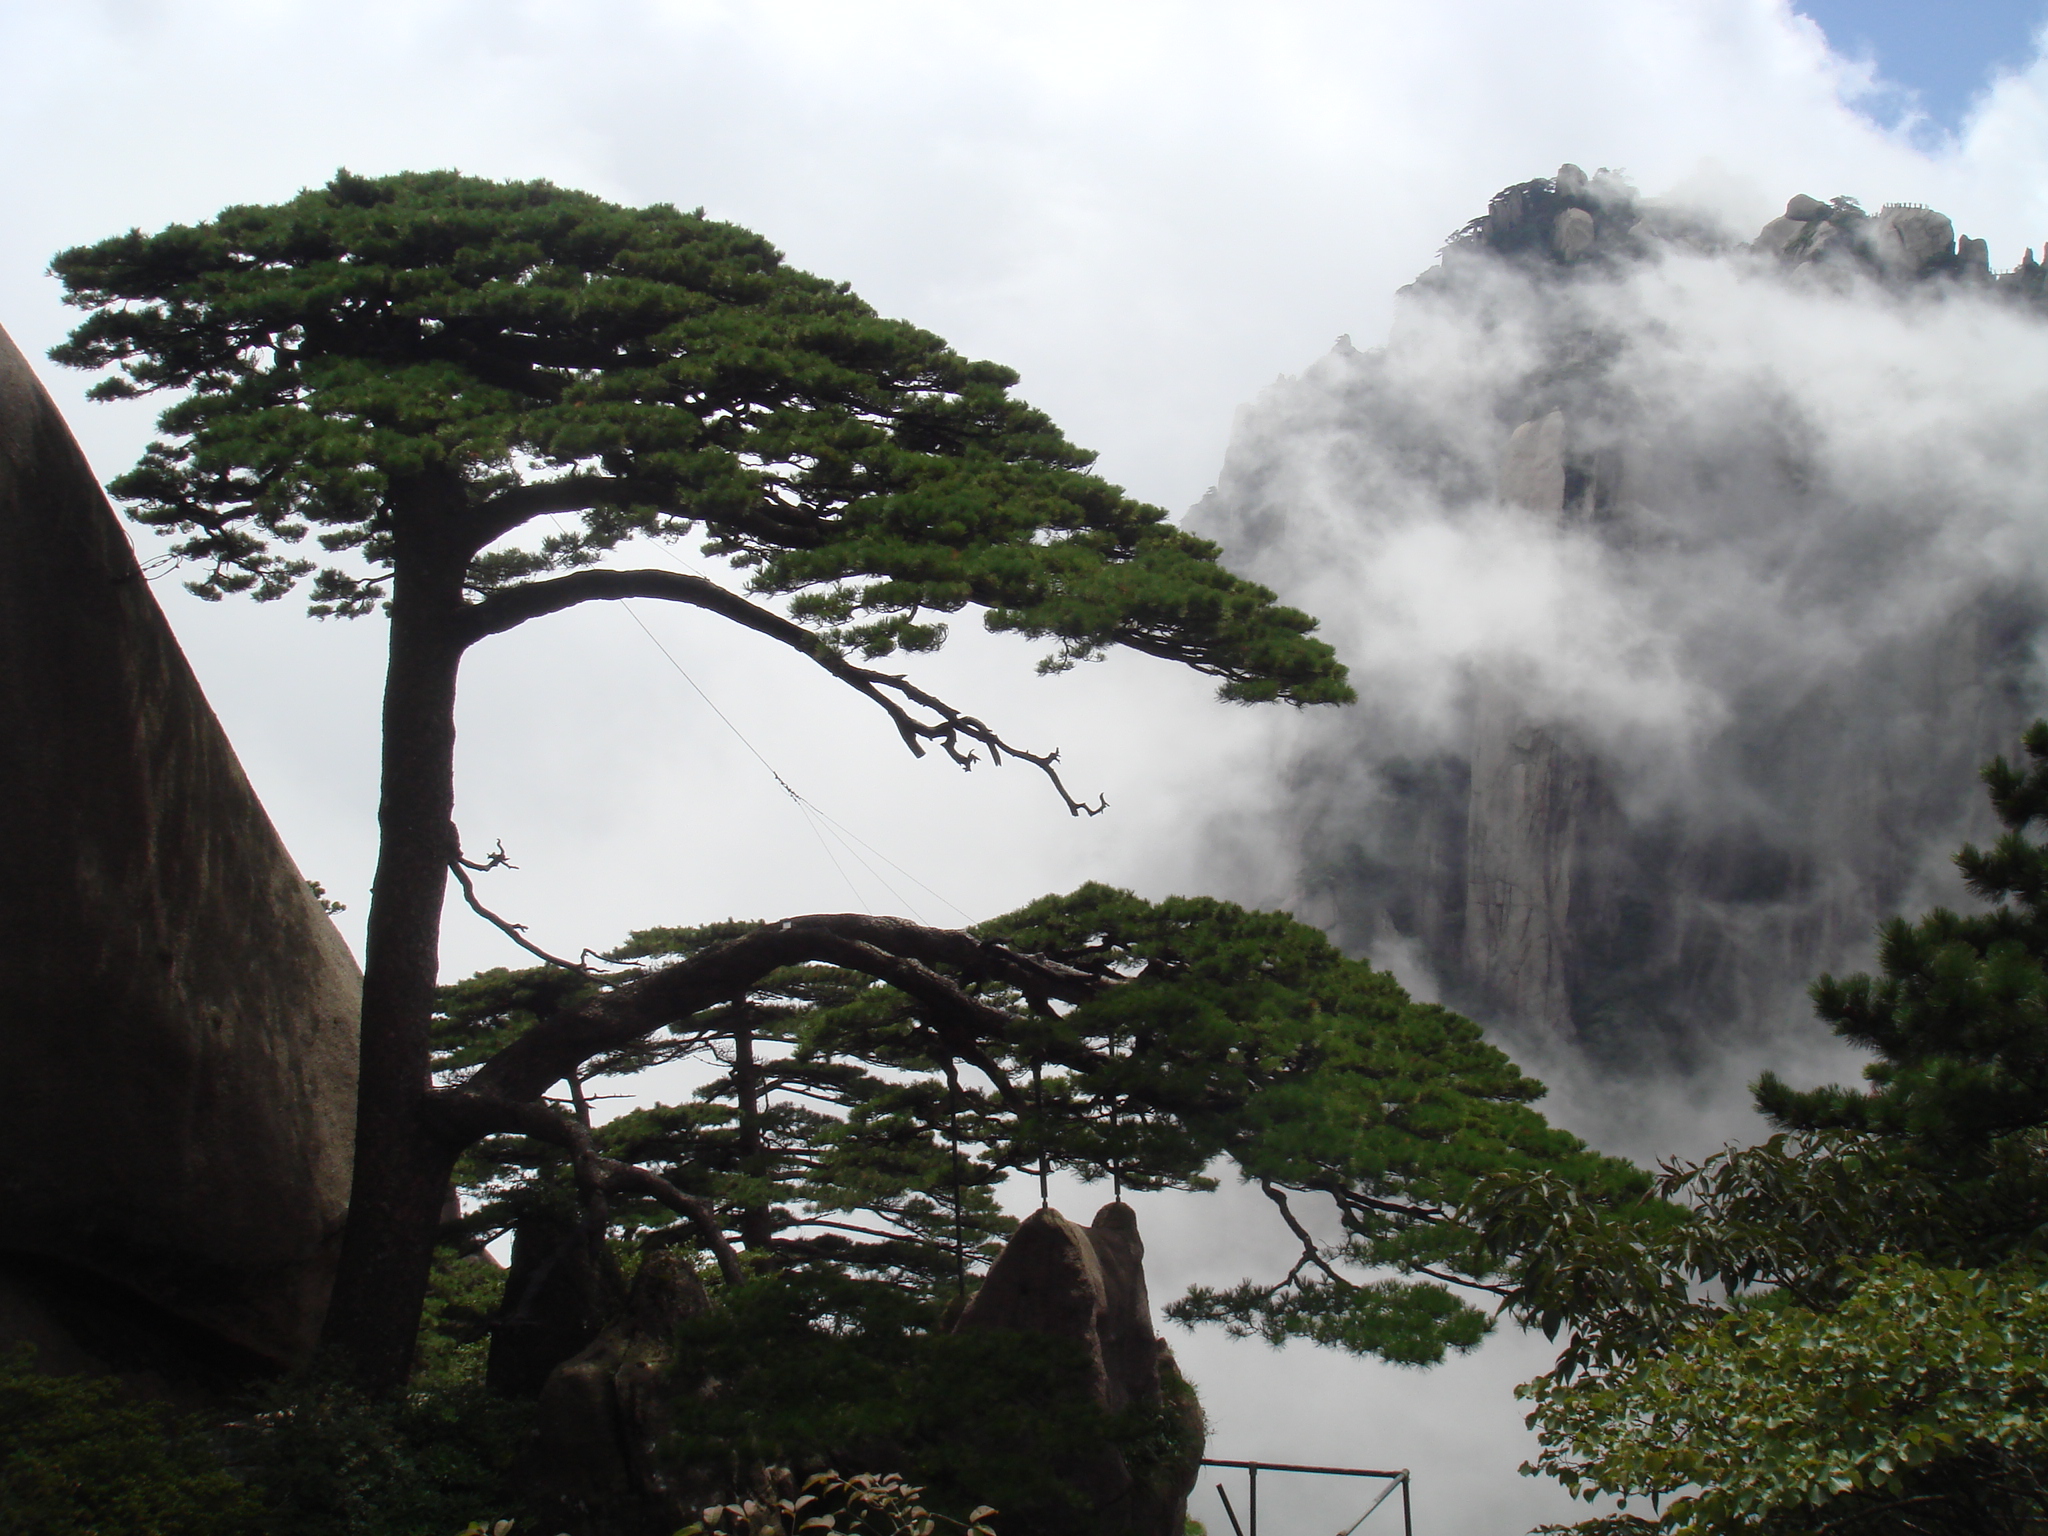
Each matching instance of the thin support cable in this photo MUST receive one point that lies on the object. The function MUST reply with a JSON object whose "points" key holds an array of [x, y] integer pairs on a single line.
{"points": [[689, 567], [846, 836], [906, 874], [859, 900]]}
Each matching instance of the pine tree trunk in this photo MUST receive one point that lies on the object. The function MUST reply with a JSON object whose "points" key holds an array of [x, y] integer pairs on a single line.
{"points": [[401, 1172]]}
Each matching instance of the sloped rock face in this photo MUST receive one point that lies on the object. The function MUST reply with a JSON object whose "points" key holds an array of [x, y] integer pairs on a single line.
{"points": [[1769, 638], [1086, 1285], [598, 1465], [560, 1291], [179, 1023]]}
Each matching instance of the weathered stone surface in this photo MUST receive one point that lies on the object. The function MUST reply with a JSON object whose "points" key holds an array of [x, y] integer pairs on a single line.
{"points": [[1777, 236], [1973, 259], [1571, 181], [179, 1022], [1802, 207], [1087, 1285], [560, 1290], [1909, 241], [1532, 800], [1829, 242], [597, 1465], [1532, 466], [1573, 234]]}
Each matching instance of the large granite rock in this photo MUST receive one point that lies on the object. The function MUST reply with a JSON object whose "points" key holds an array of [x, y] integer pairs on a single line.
{"points": [[1911, 240], [1086, 1285], [1903, 243], [179, 1020]]}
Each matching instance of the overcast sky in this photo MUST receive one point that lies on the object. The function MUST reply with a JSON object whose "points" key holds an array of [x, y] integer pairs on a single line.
{"points": [[1151, 210]]}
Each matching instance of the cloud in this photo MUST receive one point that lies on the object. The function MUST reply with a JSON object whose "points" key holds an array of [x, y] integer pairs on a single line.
{"points": [[1797, 603]]}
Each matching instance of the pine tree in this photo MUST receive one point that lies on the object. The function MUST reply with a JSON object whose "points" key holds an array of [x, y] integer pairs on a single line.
{"points": [[1957, 1017], [423, 372]]}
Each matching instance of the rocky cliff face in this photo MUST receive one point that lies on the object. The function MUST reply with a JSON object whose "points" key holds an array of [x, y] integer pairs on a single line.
{"points": [[1687, 581], [178, 1028]]}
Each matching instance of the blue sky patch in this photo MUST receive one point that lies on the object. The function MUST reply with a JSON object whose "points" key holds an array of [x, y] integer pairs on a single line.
{"points": [[1940, 54]]}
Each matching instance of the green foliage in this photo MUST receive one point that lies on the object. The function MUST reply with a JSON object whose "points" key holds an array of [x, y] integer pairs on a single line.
{"points": [[431, 361], [866, 1504], [1842, 1327], [843, 1118], [77, 1458], [815, 1372], [1249, 1036], [328, 1460], [1922, 1381], [307, 1457], [461, 1294], [824, 1143], [1958, 1016]]}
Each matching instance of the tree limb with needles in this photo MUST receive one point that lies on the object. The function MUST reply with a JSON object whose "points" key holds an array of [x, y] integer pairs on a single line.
{"points": [[1313, 1075]]}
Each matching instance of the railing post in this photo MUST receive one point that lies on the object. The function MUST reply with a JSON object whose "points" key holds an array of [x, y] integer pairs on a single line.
{"points": [[1407, 1514], [1255, 1499]]}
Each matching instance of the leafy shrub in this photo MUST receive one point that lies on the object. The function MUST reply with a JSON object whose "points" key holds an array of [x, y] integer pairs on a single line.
{"points": [[866, 1504], [77, 1458], [328, 1461], [453, 1343], [1927, 1387]]}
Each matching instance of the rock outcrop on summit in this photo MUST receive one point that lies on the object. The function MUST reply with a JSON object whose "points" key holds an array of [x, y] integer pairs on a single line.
{"points": [[1683, 611]]}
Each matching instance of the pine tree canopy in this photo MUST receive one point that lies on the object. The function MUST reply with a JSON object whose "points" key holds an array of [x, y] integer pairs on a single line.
{"points": [[438, 361], [1096, 1032]]}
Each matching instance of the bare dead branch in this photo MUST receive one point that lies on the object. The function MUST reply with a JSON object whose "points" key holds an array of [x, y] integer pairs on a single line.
{"points": [[497, 858], [1463, 1282], [955, 732], [1312, 1252], [516, 932]]}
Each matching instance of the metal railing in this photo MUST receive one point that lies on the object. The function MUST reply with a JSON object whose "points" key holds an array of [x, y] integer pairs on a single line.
{"points": [[1397, 1479]]}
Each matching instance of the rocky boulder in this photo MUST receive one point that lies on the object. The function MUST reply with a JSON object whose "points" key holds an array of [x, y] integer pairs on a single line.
{"points": [[1910, 240], [597, 1466], [180, 1015], [561, 1289], [1086, 1285]]}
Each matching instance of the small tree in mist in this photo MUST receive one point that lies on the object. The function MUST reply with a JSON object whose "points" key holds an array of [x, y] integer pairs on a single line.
{"points": [[422, 372], [1873, 1351]]}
